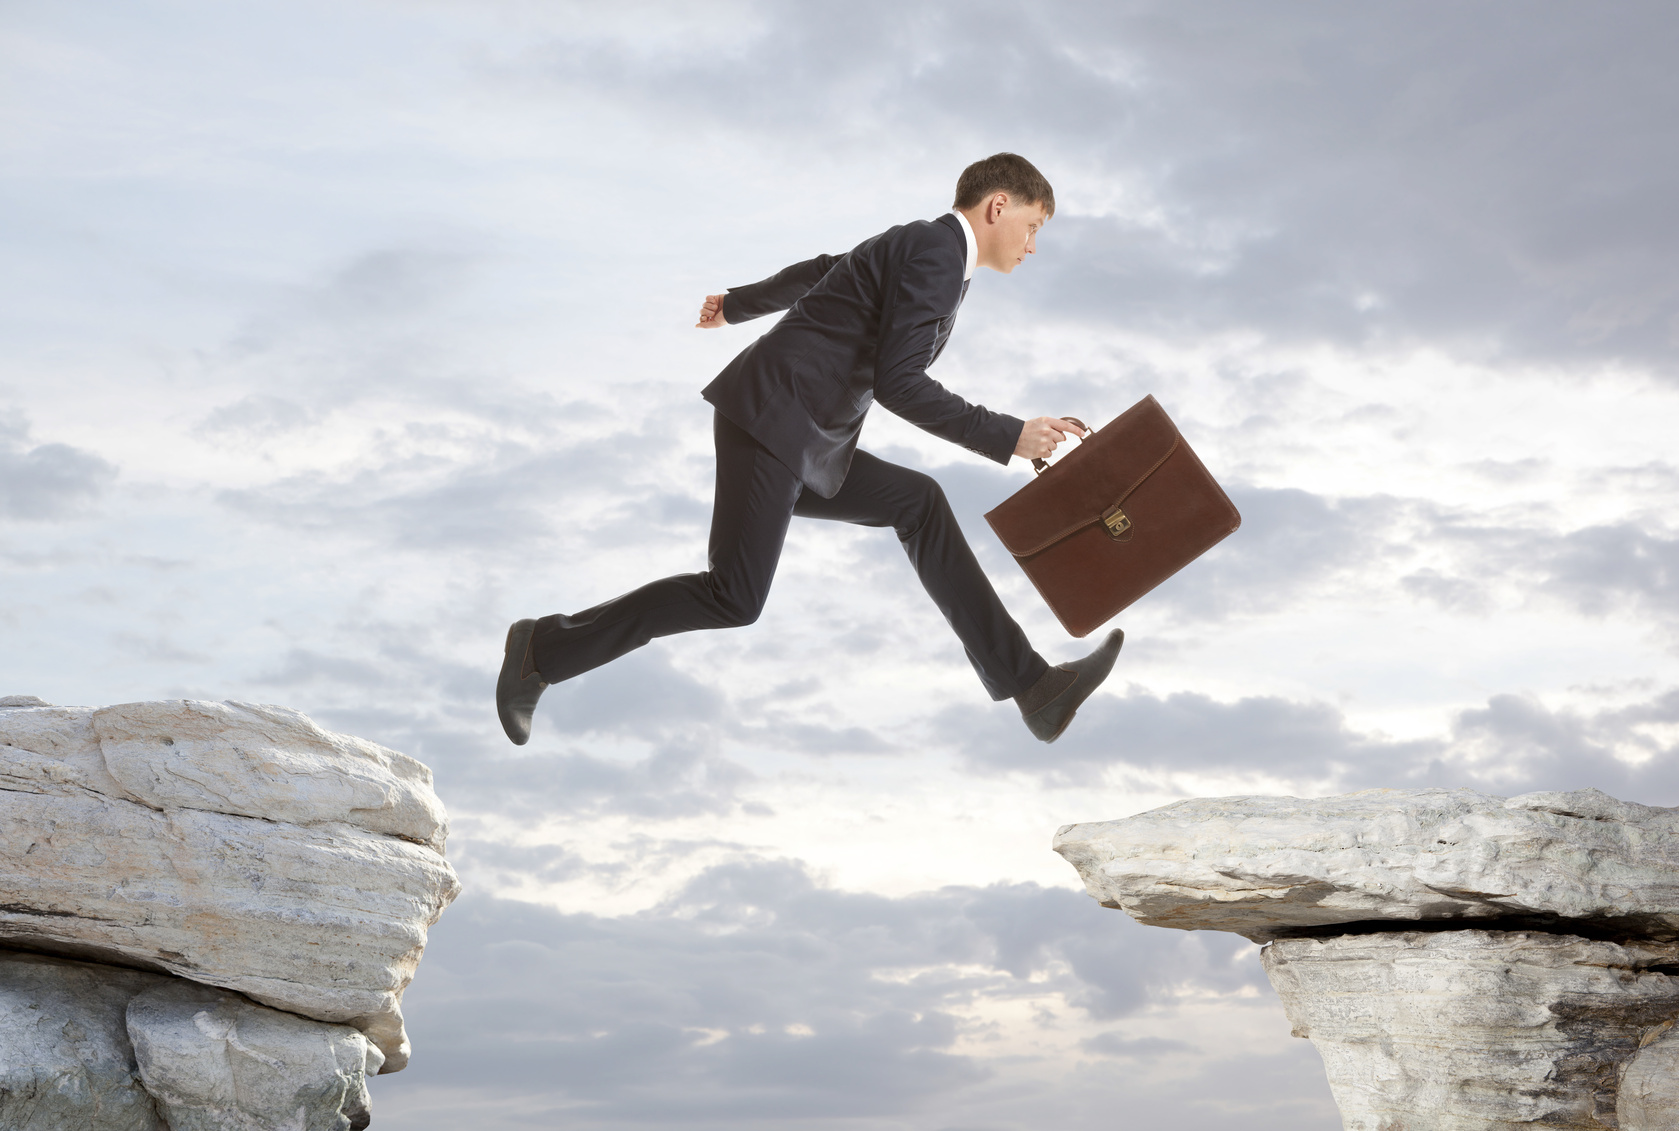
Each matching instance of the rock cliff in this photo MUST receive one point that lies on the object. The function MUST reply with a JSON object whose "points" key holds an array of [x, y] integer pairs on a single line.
{"points": [[1462, 962], [221, 903]]}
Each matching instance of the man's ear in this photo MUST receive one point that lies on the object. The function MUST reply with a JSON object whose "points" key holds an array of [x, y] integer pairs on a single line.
{"points": [[999, 201]]}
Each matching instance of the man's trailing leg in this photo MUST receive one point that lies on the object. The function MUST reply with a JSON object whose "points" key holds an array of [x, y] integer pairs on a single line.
{"points": [[754, 503]]}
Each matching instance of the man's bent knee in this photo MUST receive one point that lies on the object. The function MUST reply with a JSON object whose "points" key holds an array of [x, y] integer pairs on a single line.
{"points": [[924, 500], [736, 608], [739, 616]]}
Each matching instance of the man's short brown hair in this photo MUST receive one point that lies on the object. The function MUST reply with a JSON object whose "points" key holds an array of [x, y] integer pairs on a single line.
{"points": [[1004, 172]]}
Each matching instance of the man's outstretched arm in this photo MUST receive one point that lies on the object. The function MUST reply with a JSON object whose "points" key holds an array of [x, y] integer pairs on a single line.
{"points": [[778, 292]]}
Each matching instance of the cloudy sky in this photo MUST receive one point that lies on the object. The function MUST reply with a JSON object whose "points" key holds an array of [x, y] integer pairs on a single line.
{"points": [[337, 336]]}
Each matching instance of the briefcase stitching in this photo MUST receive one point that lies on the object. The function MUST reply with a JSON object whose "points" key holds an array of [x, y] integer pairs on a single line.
{"points": [[1119, 502]]}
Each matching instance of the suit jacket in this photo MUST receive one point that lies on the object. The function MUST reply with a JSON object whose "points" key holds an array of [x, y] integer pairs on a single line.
{"points": [[861, 327]]}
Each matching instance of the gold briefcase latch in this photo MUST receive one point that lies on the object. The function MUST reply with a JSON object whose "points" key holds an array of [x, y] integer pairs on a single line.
{"points": [[1118, 524]]}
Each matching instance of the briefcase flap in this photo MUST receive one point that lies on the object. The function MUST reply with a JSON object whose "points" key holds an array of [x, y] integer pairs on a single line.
{"points": [[1089, 482]]}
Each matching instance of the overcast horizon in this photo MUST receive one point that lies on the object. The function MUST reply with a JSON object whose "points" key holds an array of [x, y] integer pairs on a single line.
{"points": [[340, 336]]}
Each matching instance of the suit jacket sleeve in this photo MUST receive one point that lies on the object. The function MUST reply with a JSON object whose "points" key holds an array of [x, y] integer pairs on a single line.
{"points": [[927, 292], [778, 292]]}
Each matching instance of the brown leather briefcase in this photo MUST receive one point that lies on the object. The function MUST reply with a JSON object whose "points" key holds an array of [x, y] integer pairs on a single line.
{"points": [[1114, 517]]}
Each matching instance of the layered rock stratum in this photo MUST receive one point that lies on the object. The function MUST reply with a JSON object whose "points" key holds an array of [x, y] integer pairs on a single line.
{"points": [[1462, 962], [221, 905]]}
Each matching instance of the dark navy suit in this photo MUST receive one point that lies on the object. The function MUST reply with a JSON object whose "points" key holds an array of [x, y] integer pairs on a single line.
{"points": [[860, 328], [863, 328]]}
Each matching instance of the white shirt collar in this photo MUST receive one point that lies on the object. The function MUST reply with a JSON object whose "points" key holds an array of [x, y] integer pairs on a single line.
{"points": [[973, 244]]}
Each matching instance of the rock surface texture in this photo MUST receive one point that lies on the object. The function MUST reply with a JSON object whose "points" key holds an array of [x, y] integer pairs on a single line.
{"points": [[168, 853], [215, 1061], [1268, 866], [87, 1047], [1476, 1028], [65, 1058], [1462, 962]]}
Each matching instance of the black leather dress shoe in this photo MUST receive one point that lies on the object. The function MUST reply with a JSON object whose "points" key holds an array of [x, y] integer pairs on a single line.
{"points": [[516, 691], [1048, 721]]}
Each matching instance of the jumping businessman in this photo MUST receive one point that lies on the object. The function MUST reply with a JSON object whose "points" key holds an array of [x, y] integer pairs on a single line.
{"points": [[860, 327]]}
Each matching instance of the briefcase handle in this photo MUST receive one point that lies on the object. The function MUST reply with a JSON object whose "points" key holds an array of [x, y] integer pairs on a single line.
{"points": [[1040, 465]]}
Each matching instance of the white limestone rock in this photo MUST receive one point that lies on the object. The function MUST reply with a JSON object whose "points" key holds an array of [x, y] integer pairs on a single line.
{"points": [[214, 1061], [242, 759], [47, 749], [269, 762], [233, 845], [1264, 867], [1649, 1091], [65, 1059], [1472, 1030]]}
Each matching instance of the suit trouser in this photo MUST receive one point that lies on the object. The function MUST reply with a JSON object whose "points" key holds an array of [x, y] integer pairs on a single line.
{"points": [[757, 496]]}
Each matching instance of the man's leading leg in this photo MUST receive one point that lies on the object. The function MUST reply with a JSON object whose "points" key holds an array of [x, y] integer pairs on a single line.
{"points": [[754, 501], [878, 493]]}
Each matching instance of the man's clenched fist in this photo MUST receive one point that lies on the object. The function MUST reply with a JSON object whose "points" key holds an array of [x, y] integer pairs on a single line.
{"points": [[711, 313]]}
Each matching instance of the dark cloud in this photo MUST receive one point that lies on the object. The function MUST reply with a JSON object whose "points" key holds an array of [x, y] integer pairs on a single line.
{"points": [[402, 282], [302, 666], [257, 416], [1517, 743], [1492, 177], [1599, 566], [639, 736], [684, 774], [1304, 742], [755, 996], [491, 494], [496, 864], [473, 507], [1137, 1048], [664, 729], [1454, 593], [784, 732], [684, 777], [1512, 744], [641, 694], [46, 481], [1294, 543], [367, 326], [154, 648], [1594, 570], [1289, 543]]}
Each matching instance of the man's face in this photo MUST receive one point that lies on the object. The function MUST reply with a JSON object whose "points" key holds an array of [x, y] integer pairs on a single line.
{"points": [[1016, 232]]}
